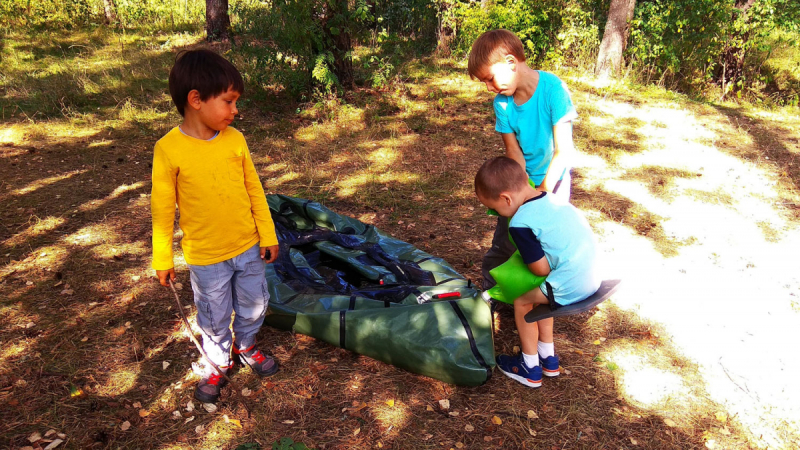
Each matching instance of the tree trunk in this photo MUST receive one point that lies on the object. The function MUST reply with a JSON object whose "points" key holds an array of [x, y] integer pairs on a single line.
{"points": [[217, 21], [615, 38], [445, 34], [734, 54], [342, 59], [110, 14], [342, 49]]}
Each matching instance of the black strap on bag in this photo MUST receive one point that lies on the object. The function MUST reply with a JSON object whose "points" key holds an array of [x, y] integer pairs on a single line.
{"points": [[471, 338], [342, 332]]}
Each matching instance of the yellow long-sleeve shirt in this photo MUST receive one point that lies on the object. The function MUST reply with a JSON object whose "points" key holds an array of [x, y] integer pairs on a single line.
{"points": [[223, 210]]}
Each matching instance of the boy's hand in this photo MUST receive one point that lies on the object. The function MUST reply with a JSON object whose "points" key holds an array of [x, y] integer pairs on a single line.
{"points": [[163, 274], [269, 254]]}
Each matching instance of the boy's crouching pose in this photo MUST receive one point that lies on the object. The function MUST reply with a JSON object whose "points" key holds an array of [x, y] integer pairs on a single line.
{"points": [[555, 241], [205, 167]]}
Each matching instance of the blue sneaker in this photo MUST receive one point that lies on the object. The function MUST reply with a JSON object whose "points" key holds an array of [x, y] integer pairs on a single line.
{"points": [[550, 366], [514, 367]]}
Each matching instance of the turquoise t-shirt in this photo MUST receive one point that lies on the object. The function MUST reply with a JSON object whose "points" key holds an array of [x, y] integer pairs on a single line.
{"points": [[532, 123], [560, 233]]}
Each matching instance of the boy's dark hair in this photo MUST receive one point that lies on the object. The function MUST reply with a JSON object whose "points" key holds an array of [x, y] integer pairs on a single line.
{"points": [[205, 71], [498, 175], [491, 47]]}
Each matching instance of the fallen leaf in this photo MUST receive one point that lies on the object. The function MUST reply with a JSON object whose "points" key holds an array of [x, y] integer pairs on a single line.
{"points": [[634, 441], [670, 423], [61, 436], [199, 429], [137, 404], [188, 419], [427, 437], [235, 422], [444, 403], [288, 422], [725, 431], [34, 437], [127, 324], [29, 283], [711, 443], [164, 365], [459, 445], [67, 292], [390, 402], [515, 350], [27, 447], [176, 414], [487, 439], [136, 277], [721, 416], [532, 414], [210, 407], [30, 325], [356, 431], [119, 331], [532, 433], [246, 392], [454, 413], [75, 391], [144, 413], [429, 408], [496, 420], [602, 339], [469, 427], [190, 406], [50, 432], [59, 283], [567, 372], [178, 286], [125, 425], [85, 338], [597, 342], [54, 444]]}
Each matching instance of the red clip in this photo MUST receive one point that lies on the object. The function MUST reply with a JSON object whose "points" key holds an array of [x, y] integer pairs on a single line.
{"points": [[448, 295]]}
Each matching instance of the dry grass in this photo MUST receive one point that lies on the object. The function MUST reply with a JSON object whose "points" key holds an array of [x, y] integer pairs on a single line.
{"points": [[86, 331]]}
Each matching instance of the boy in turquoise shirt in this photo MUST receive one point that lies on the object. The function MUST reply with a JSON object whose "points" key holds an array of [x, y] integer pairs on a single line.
{"points": [[534, 114]]}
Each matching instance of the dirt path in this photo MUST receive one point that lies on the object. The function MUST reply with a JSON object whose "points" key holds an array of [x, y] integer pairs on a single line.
{"points": [[719, 269]]}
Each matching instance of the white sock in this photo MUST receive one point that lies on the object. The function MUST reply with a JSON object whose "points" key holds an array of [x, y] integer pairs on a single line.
{"points": [[531, 360], [546, 349]]}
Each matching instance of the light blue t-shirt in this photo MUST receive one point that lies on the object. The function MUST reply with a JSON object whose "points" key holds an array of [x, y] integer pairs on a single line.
{"points": [[532, 123], [568, 244]]}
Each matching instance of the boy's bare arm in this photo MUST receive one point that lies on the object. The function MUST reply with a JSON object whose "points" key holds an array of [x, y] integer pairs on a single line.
{"points": [[562, 153], [513, 150], [164, 274], [540, 268], [269, 254]]}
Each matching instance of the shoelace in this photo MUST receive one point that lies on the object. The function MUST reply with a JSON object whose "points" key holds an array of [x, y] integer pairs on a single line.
{"points": [[214, 379], [258, 356]]}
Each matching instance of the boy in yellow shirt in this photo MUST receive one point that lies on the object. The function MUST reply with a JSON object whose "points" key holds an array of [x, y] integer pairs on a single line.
{"points": [[205, 167]]}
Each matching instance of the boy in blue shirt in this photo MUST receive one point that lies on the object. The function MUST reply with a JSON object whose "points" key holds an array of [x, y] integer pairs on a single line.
{"points": [[534, 114], [556, 242]]}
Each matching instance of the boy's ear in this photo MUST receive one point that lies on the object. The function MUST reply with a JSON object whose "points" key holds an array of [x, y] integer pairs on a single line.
{"points": [[505, 197], [512, 61], [193, 99]]}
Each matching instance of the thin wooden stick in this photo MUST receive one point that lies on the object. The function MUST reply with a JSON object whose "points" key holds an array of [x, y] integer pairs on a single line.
{"points": [[234, 386]]}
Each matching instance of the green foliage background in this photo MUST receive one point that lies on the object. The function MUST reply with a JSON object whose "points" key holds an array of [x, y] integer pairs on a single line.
{"points": [[287, 44]]}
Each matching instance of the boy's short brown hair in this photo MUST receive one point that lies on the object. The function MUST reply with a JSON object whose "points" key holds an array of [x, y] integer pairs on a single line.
{"points": [[498, 175], [205, 71], [491, 47]]}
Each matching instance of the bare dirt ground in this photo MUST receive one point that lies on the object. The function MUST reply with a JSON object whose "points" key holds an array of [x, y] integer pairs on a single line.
{"points": [[695, 206]]}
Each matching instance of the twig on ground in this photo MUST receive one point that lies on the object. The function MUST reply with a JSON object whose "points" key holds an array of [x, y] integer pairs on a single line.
{"points": [[234, 386]]}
